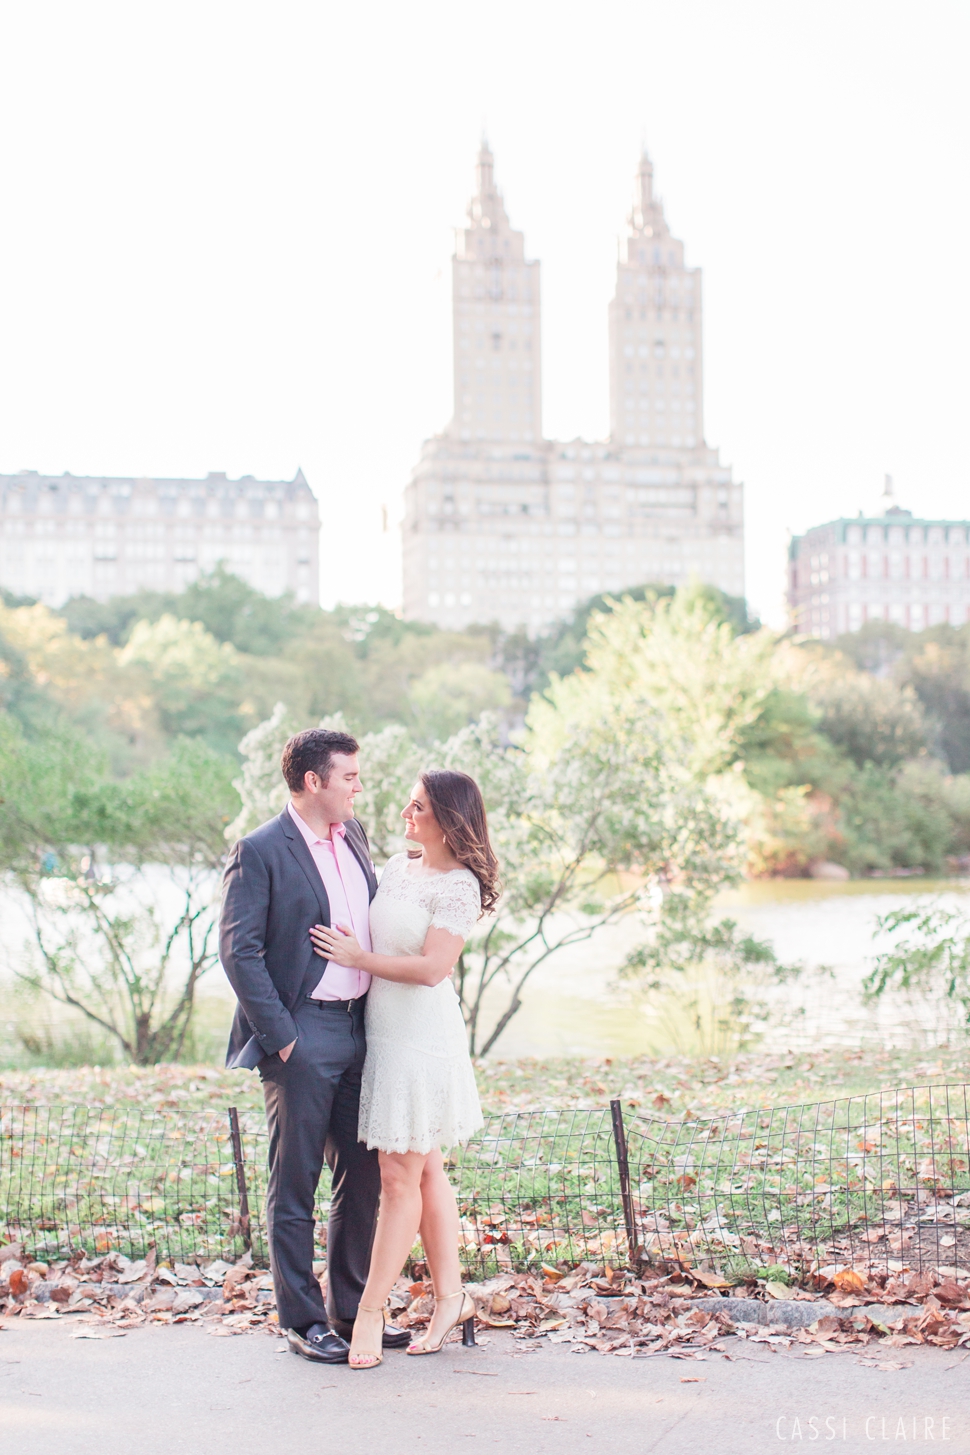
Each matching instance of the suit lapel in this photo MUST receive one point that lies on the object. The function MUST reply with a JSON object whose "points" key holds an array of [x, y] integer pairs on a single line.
{"points": [[352, 835], [297, 846]]}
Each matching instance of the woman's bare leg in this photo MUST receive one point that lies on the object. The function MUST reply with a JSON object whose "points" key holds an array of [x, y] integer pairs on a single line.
{"points": [[397, 1230], [439, 1239]]}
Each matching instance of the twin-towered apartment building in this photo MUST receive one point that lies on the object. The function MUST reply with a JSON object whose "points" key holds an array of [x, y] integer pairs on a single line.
{"points": [[503, 525]]}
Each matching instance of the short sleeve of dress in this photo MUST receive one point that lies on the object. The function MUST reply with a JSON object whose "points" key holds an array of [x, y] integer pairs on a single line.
{"points": [[458, 904]]}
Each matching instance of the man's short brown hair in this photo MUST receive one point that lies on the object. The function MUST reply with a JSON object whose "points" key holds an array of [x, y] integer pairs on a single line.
{"points": [[313, 751]]}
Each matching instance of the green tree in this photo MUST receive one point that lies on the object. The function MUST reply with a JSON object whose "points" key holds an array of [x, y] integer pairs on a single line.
{"points": [[261, 788], [937, 667], [119, 881], [195, 680], [447, 697], [876, 646], [703, 975], [226, 605], [931, 957], [892, 818], [563, 650], [53, 675], [681, 658], [870, 719], [235, 612], [392, 666], [114, 618], [326, 673], [595, 810], [371, 627]]}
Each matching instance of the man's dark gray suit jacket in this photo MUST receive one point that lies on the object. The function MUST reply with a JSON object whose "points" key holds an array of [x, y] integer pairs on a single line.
{"points": [[272, 894]]}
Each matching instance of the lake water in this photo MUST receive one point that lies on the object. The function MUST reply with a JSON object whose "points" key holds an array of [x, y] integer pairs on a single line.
{"points": [[573, 1004]]}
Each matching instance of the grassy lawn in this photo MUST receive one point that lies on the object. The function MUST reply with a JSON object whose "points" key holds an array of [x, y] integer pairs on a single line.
{"points": [[673, 1088], [142, 1157]]}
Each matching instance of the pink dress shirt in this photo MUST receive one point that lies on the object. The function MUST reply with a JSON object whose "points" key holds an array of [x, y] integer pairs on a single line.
{"points": [[346, 887]]}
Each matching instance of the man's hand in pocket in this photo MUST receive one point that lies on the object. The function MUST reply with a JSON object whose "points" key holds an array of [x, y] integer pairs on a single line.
{"points": [[285, 1052]]}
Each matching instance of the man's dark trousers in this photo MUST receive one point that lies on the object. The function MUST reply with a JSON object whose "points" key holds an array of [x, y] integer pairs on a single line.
{"points": [[312, 1104]]}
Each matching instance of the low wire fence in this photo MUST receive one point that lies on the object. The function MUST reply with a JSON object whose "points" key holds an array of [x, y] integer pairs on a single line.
{"points": [[881, 1181], [124, 1179]]}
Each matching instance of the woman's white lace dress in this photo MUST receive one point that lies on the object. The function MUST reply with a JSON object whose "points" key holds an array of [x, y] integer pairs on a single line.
{"points": [[418, 1088]]}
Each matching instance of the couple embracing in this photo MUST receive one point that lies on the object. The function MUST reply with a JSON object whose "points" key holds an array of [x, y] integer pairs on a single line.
{"points": [[347, 1009]]}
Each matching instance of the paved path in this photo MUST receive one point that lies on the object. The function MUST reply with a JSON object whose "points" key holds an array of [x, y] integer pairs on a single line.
{"points": [[165, 1391]]}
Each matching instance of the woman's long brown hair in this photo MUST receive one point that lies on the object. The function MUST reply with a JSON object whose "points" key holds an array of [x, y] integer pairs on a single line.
{"points": [[457, 804]]}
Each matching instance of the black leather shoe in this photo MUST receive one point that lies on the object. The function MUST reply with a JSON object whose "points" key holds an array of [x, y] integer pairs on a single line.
{"points": [[393, 1338], [320, 1344]]}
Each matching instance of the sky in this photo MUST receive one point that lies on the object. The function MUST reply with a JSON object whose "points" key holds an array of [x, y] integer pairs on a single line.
{"points": [[226, 231]]}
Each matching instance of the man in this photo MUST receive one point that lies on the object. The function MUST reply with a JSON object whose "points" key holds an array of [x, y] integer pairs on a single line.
{"points": [[300, 1020]]}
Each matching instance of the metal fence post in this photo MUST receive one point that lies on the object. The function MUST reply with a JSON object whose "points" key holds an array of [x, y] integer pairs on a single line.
{"points": [[237, 1158], [623, 1167]]}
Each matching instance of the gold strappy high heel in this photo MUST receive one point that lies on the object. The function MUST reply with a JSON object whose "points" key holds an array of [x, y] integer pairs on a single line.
{"points": [[354, 1360], [465, 1317]]}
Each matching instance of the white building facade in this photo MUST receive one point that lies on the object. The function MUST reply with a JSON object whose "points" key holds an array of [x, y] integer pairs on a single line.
{"points": [[68, 535], [503, 525], [891, 567]]}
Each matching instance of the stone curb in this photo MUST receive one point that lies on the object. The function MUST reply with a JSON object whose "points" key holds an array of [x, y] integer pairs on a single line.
{"points": [[42, 1291], [798, 1313], [789, 1313]]}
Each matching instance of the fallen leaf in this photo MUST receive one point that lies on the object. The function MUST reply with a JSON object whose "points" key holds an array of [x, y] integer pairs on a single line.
{"points": [[847, 1280], [133, 1272], [709, 1280], [109, 1333], [693, 1379], [777, 1290], [548, 1324]]}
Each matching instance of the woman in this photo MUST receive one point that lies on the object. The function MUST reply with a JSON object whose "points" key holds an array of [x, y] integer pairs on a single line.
{"points": [[419, 1093]]}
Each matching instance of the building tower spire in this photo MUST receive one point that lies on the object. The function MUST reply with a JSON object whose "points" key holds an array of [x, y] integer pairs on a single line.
{"points": [[485, 170], [643, 202], [495, 306], [656, 381]]}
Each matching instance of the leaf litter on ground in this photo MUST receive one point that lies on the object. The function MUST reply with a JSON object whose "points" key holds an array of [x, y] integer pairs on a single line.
{"points": [[607, 1311], [611, 1314]]}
